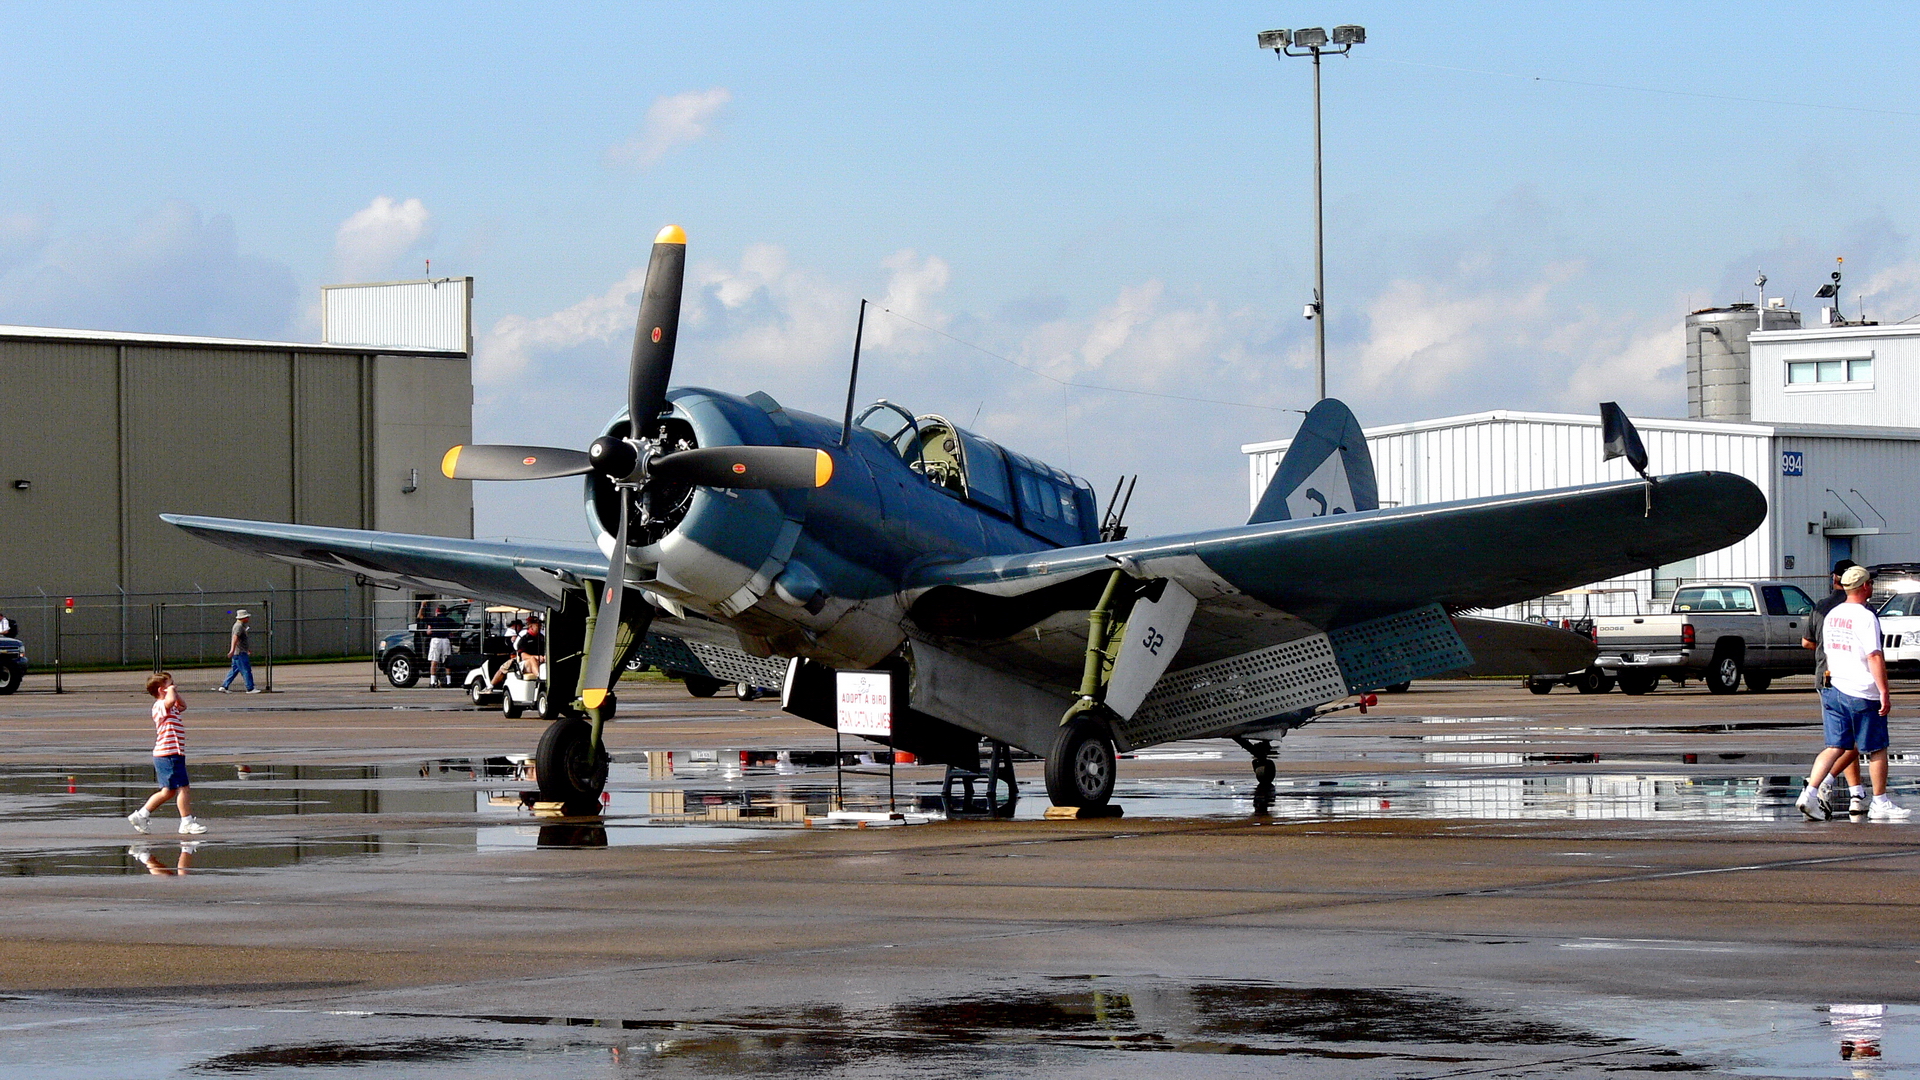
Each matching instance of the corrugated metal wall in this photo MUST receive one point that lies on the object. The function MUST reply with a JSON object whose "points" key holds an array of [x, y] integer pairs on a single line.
{"points": [[1857, 483], [109, 436], [430, 314]]}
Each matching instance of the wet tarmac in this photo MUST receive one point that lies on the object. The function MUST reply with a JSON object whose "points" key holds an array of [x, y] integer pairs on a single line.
{"points": [[1468, 881]]}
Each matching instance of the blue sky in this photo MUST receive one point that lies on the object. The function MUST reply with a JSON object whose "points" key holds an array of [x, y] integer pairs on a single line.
{"points": [[1523, 200]]}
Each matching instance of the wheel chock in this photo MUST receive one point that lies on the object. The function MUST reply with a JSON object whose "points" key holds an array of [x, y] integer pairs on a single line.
{"points": [[1081, 813]]}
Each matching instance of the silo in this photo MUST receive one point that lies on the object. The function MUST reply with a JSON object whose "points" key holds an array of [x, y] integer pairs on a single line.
{"points": [[1718, 358]]}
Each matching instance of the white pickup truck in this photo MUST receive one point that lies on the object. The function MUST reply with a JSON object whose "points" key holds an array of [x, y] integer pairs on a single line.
{"points": [[1720, 631]]}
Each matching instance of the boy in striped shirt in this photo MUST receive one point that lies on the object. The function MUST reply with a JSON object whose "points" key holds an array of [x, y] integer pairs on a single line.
{"points": [[169, 756]]}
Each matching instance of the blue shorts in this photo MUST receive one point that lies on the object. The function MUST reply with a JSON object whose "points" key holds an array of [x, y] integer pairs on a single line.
{"points": [[1852, 723], [172, 770]]}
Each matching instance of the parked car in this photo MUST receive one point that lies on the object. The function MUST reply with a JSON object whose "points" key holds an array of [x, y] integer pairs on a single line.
{"points": [[1900, 627], [13, 664], [474, 631], [1723, 632]]}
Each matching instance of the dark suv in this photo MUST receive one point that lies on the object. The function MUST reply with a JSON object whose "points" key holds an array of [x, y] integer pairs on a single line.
{"points": [[402, 655], [13, 664]]}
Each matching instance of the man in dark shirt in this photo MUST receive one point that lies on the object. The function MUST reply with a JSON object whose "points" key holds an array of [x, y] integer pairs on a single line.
{"points": [[533, 650], [1849, 761]]}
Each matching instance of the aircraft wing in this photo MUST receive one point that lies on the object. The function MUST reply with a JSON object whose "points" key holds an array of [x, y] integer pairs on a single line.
{"points": [[504, 572], [1256, 583]]}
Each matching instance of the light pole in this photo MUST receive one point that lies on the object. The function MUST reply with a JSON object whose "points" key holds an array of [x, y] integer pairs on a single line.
{"points": [[1314, 41]]}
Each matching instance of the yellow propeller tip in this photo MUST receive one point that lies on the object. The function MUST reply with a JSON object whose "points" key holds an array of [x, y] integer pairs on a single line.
{"points": [[822, 468], [672, 234], [593, 698], [450, 462]]}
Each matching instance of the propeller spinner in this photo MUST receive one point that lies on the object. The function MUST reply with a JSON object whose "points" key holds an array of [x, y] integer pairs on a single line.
{"points": [[634, 462]]}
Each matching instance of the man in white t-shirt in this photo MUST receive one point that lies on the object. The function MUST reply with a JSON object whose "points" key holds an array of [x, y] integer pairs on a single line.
{"points": [[1855, 701]]}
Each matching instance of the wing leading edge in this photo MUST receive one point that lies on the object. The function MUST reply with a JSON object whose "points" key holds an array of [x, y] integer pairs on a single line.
{"points": [[514, 573], [1334, 571]]}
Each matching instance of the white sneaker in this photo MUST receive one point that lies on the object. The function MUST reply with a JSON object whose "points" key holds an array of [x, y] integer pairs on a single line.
{"points": [[140, 850], [138, 819], [219, 689], [1885, 809], [192, 826], [1811, 804], [253, 691]]}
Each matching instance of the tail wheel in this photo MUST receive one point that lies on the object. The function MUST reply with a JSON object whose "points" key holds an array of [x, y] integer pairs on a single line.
{"points": [[1724, 676], [701, 685], [1080, 766], [568, 770], [1264, 770], [1539, 686]]}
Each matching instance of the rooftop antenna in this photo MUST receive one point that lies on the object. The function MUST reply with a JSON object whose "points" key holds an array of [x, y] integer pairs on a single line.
{"points": [[853, 376]]}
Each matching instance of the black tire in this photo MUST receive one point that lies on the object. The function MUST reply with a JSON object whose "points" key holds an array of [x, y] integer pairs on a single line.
{"points": [[1637, 682], [10, 677], [1724, 676], [1264, 770], [1593, 681], [1080, 765], [547, 707], [1399, 687], [1540, 686], [746, 691], [1758, 681], [561, 762], [403, 669], [701, 685]]}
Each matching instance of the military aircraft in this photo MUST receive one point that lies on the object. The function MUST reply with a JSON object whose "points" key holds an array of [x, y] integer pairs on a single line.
{"points": [[743, 539]]}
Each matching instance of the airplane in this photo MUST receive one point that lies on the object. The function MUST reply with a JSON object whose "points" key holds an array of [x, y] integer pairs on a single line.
{"points": [[741, 535]]}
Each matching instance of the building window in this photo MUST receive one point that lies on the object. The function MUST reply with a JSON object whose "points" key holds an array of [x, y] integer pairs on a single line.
{"points": [[1807, 372]]}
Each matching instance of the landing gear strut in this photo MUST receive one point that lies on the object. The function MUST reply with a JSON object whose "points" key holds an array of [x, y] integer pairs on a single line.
{"points": [[1262, 751]]}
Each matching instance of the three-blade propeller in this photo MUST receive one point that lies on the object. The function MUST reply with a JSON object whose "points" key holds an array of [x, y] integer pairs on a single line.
{"points": [[635, 461]]}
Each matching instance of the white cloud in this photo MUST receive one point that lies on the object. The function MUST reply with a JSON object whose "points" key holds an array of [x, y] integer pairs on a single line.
{"points": [[177, 272], [515, 341], [367, 244], [672, 121]]}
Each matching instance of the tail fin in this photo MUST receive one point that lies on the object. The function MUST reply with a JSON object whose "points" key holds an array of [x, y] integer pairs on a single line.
{"points": [[1327, 470]]}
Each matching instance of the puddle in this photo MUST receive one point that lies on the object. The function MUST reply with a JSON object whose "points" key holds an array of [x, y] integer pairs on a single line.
{"points": [[1108, 1026]]}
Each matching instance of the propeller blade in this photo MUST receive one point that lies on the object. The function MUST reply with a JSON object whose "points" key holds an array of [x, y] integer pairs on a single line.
{"points": [[598, 674], [512, 463], [746, 467], [654, 334]]}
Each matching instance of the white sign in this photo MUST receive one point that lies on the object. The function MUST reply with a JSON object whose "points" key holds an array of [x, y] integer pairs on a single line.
{"points": [[1155, 631], [866, 703]]}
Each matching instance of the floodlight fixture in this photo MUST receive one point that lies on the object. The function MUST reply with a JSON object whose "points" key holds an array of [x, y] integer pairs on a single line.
{"points": [[1311, 38], [1349, 35], [1275, 39]]}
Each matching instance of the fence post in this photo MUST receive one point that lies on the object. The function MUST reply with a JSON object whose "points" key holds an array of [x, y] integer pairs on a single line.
{"points": [[159, 636], [59, 683]]}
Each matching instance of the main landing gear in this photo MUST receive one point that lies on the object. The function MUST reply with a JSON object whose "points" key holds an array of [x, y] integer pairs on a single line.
{"points": [[1080, 764], [1262, 750]]}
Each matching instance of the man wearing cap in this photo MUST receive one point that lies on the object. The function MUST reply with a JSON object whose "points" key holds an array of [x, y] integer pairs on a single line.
{"points": [[1848, 762], [1855, 700], [240, 652]]}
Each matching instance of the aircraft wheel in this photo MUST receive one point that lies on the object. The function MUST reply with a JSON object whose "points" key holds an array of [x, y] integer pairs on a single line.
{"points": [[566, 770], [701, 685], [1080, 767], [1758, 682], [1264, 770], [1539, 686], [403, 669], [1637, 683], [746, 691], [1724, 676], [1399, 687]]}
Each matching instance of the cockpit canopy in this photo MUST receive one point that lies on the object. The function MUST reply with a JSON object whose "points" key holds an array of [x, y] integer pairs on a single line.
{"points": [[1034, 495]]}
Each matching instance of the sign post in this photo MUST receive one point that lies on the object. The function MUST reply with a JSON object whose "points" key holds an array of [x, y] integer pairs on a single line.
{"points": [[864, 706]]}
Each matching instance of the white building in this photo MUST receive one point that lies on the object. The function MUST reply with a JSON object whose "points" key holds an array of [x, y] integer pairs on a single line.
{"points": [[1834, 442]]}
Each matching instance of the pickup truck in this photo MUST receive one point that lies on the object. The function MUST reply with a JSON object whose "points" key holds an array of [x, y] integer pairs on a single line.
{"points": [[1720, 631]]}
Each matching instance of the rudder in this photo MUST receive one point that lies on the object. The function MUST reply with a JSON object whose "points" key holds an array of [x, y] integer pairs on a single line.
{"points": [[1328, 470]]}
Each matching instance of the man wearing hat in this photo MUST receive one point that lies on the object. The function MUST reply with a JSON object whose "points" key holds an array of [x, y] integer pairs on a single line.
{"points": [[1849, 762], [1854, 699], [240, 652]]}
